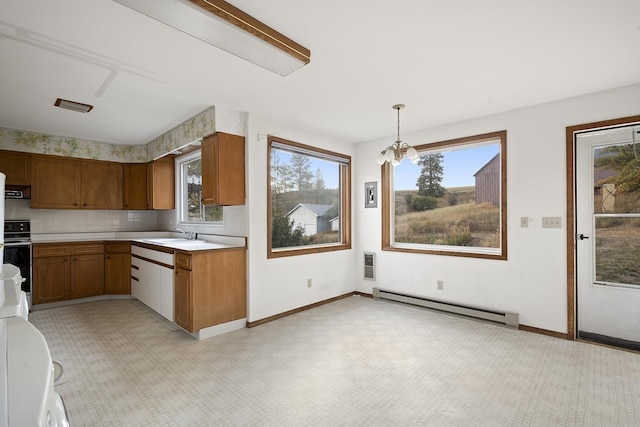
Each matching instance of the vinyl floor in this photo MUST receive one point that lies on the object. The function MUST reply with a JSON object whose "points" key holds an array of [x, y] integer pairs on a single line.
{"points": [[353, 362]]}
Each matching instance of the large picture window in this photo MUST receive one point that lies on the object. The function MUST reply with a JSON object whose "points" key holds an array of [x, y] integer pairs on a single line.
{"points": [[308, 199], [451, 202], [190, 207]]}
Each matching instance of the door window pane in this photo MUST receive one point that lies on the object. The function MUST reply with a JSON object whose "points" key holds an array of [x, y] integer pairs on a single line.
{"points": [[618, 250], [616, 176]]}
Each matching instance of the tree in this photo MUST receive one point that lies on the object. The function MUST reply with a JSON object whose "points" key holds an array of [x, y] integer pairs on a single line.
{"points": [[319, 183], [281, 175], [284, 233], [626, 160], [431, 175], [301, 172]]}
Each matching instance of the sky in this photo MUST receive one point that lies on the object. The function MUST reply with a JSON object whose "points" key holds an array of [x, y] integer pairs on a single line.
{"points": [[329, 169], [459, 167]]}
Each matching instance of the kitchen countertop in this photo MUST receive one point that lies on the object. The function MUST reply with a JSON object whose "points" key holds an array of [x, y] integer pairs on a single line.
{"points": [[165, 239]]}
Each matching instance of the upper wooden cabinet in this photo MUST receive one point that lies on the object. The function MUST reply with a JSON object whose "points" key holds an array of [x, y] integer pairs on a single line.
{"points": [[223, 175], [161, 187], [135, 186], [55, 183], [17, 168], [64, 183], [101, 185]]}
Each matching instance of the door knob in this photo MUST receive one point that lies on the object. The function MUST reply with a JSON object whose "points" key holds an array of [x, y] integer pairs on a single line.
{"points": [[582, 236]]}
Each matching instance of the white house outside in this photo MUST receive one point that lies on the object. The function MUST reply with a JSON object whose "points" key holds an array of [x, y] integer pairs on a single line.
{"points": [[311, 218]]}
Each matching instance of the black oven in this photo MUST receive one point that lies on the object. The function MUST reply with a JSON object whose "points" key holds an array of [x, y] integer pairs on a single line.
{"points": [[17, 249]]}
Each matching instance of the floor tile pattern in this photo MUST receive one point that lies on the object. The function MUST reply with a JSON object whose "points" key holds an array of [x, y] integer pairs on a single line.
{"points": [[354, 362]]}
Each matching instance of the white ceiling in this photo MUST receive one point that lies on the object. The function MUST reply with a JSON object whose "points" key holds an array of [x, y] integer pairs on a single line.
{"points": [[446, 60]]}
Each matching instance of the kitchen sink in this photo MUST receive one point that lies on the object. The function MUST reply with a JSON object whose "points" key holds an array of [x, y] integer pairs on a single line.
{"points": [[171, 241]]}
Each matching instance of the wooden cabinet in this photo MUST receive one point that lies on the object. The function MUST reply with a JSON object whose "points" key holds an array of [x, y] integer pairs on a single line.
{"points": [[51, 279], [101, 184], [64, 183], [87, 275], [117, 268], [17, 168], [223, 169], [135, 186], [55, 183], [210, 288], [67, 271], [182, 299], [161, 183]]}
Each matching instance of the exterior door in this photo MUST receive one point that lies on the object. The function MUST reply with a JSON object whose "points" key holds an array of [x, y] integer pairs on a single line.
{"points": [[608, 235]]}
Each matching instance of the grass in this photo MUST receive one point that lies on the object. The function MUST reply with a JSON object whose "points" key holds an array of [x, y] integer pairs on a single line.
{"points": [[458, 225], [618, 251]]}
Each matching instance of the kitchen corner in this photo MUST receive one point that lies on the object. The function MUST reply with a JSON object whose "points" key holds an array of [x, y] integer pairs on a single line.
{"points": [[198, 285]]}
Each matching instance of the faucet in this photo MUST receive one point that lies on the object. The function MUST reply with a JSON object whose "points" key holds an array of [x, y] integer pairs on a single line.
{"points": [[191, 235]]}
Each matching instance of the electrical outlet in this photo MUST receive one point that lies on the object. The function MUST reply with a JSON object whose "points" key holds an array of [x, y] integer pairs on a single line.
{"points": [[440, 285], [524, 221], [309, 281], [551, 222]]}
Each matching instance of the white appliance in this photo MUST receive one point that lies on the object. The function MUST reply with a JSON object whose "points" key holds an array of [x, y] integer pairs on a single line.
{"points": [[27, 395]]}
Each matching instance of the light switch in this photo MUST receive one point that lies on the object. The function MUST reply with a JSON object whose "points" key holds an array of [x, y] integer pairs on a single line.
{"points": [[551, 222]]}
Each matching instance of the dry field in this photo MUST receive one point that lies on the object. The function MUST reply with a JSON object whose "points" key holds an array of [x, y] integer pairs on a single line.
{"points": [[459, 225], [618, 254]]}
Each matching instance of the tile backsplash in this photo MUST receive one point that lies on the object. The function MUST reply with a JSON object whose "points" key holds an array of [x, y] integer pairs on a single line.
{"points": [[80, 221]]}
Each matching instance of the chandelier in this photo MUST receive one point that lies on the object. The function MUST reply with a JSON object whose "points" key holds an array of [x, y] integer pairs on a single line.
{"points": [[398, 150]]}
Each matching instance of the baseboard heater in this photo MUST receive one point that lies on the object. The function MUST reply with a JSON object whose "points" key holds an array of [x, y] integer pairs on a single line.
{"points": [[508, 319]]}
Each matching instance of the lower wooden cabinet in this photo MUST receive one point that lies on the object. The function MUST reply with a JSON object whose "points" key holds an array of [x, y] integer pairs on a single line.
{"points": [[51, 279], [67, 271], [87, 276], [182, 299], [117, 268], [210, 288]]}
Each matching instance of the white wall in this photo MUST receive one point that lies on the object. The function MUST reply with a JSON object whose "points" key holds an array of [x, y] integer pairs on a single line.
{"points": [[280, 284], [533, 281]]}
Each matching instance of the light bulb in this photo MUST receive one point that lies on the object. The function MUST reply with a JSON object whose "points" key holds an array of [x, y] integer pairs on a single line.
{"points": [[395, 162], [389, 155], [380, 159], [412, 154]]}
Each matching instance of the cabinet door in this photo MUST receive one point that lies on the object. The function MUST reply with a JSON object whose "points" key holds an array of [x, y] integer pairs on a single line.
{"points": [[117, 274], [161, 183], [87, 275], [101, 185], [55, 183], [17, 167], [223, 169], [182, 299], [50, 279], [135, 186]]}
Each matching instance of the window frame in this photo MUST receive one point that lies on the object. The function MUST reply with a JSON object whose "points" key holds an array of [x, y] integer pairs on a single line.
{"points": [[345, 201], [387, 197], [180, 193]]}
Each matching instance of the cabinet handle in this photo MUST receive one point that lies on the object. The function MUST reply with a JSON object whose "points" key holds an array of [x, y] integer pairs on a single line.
{"points": [[135, 267], [135, 278]]}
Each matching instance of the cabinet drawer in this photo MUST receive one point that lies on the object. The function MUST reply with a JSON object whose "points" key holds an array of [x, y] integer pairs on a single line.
{"points": [[183, 260], [41, 251], [117, 248], [87, 248]]}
